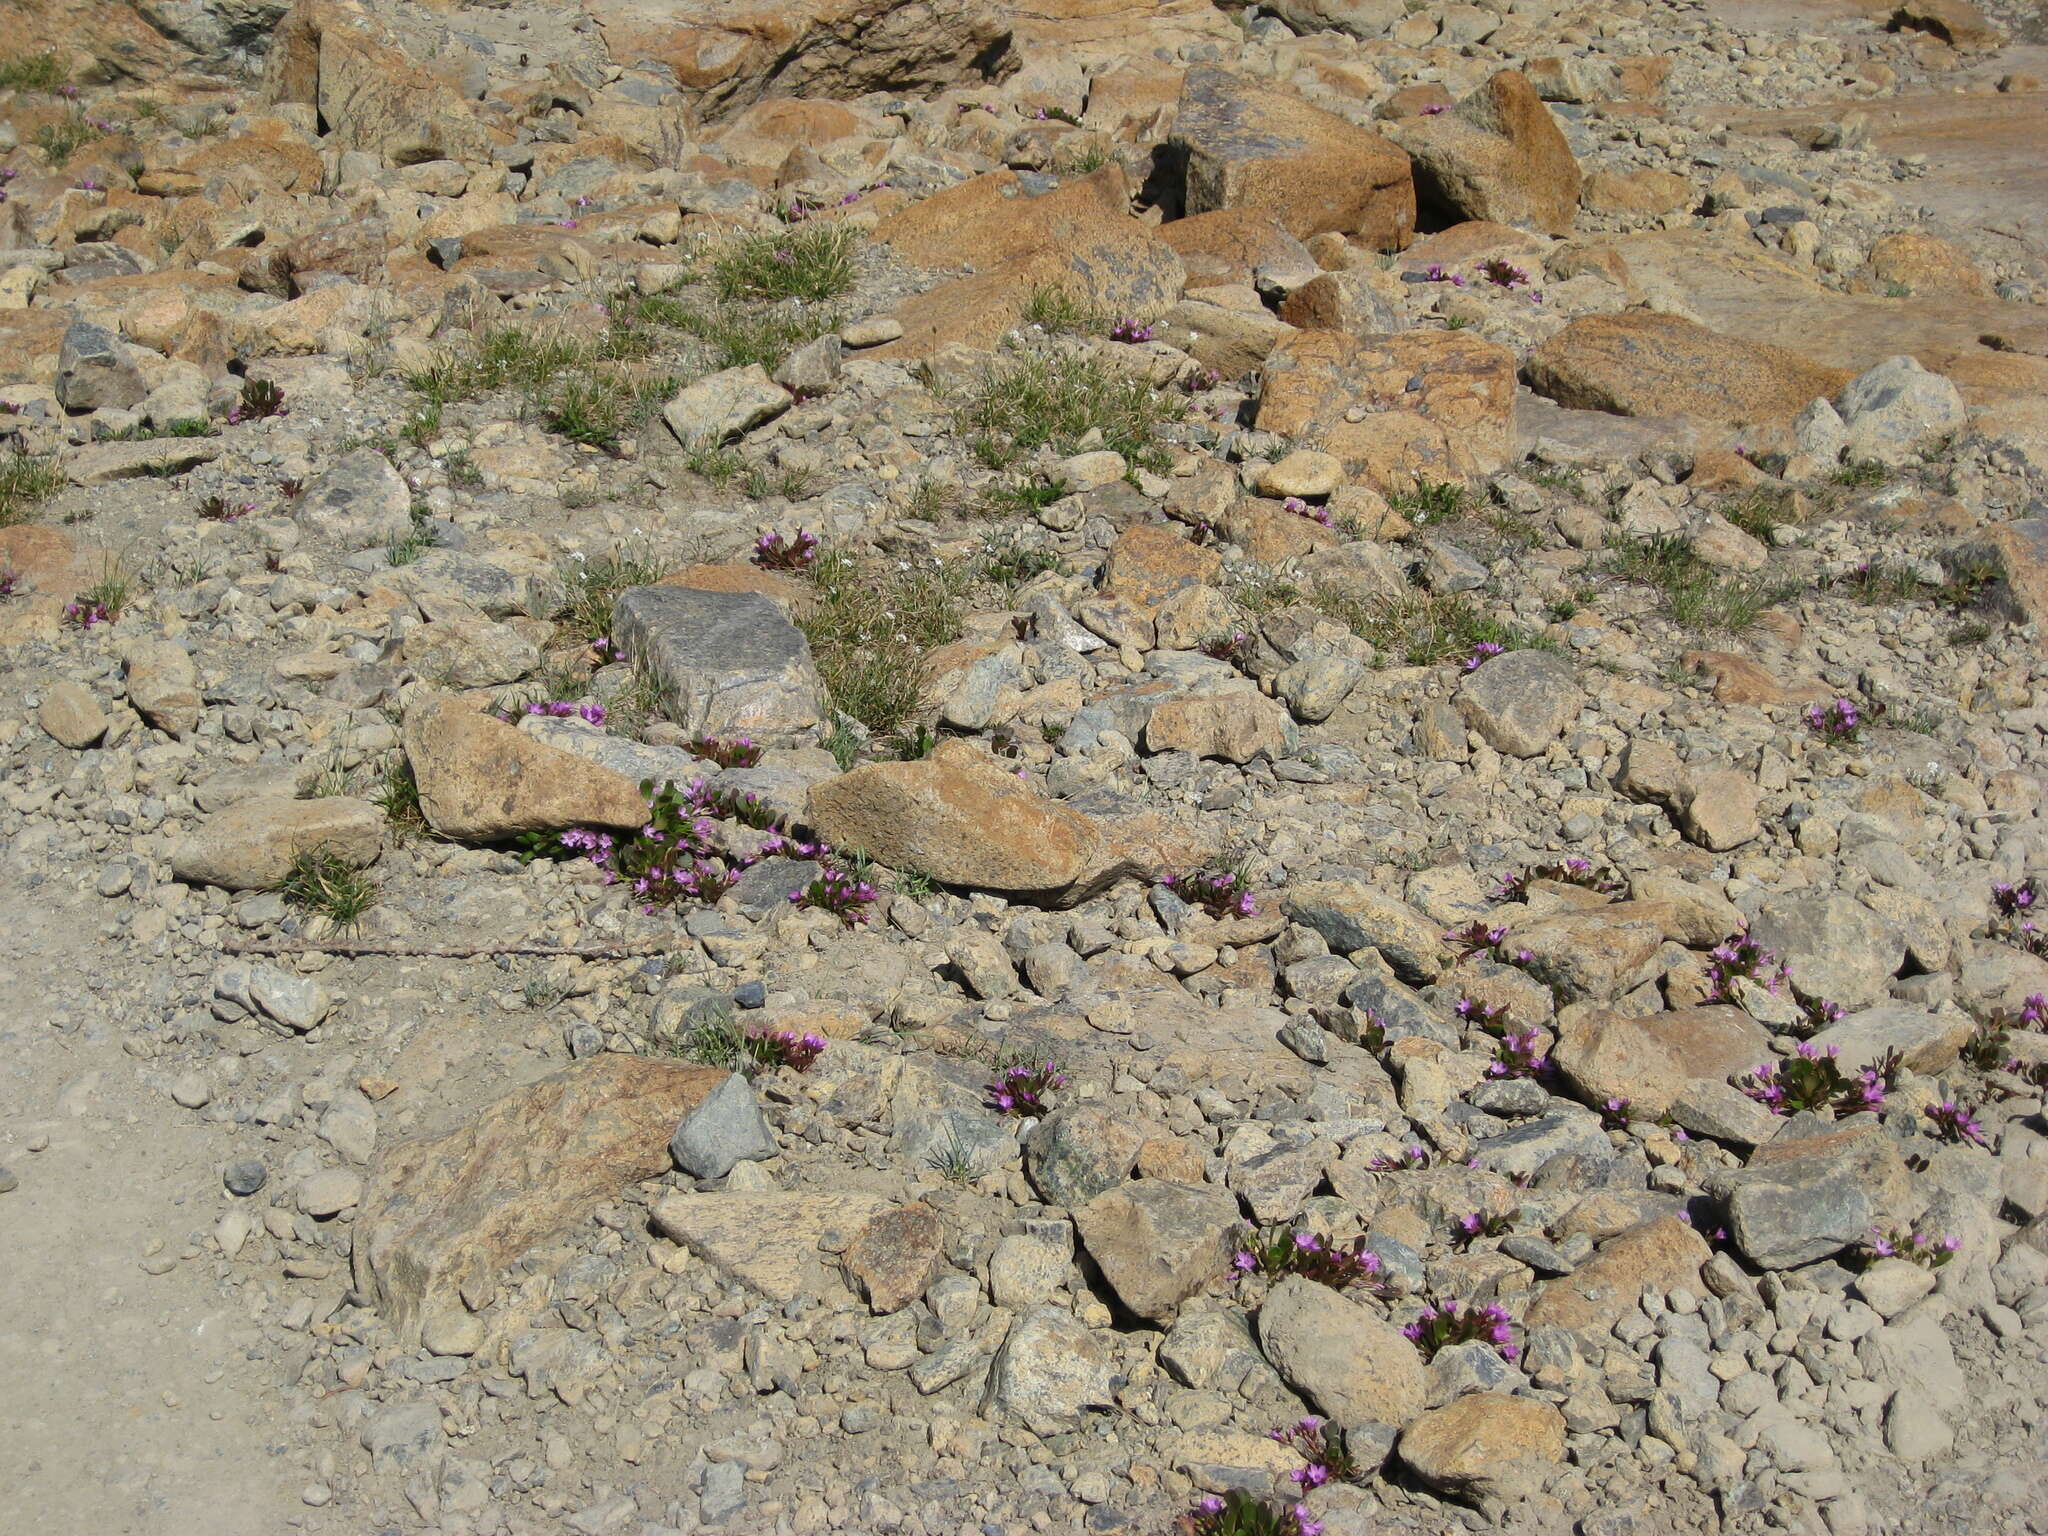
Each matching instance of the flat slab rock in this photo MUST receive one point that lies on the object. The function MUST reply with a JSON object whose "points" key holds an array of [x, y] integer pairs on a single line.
{"points": [[726, 662], [443, 1213], [768, 1241]]}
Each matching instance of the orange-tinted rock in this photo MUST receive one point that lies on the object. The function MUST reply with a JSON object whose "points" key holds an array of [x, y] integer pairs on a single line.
{"points": [[794, 597], [1738, 680], [1252, 147], [1152, 561], [480, 779], [1643, 193], [1662, 1255], [1926, 264], [1485, 1443], [1648, 1060], [1497, 155], [1230, 245]]}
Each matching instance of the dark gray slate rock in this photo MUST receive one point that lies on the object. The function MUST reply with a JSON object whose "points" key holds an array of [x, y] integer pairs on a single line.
{"points": [[727, 1128]]}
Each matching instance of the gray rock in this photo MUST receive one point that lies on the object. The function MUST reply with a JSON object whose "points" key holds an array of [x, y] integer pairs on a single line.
{"points": [[95, 370], [1344, 1360], [1210, 1349], [1834, 946], [766, 886], [1315, 687], [726, 662], [297, 1002], [723, 405], [359, 501], [812, 368], [1793, 1213], [635, 760], [1077, 1152], [1049, 1369], [1927, 1043], [1157, 1243], [1462, 1368], [404, 1436], [1526, 1148], [1521, 702], [725, 1129], [1351, 915], [1891, 410], [245, 1176], [500, 586], [724, 1493]]}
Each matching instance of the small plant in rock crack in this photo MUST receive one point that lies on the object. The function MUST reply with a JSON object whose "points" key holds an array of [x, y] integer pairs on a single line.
{"points": [[1238, 1513], [1476, 938], [1130, 331], [1410, 1158], [218, 509], [1818, 1013], [1491, 1018], [1301, 508], [1235, 648], [1911, 1244], [1989, 1048], [260, 401], [10, 579], [727, 752], [2016, 903], [1474, 1225], [1502, 273], [321, 881], [740, 805], [1519, 1054], [797, 552], [1842, 721], [1812, 1078], [1739, 957], [1583, 873], [1613, 1112], [567, 709], [1952, 1121], [1372, 1031], [785, 1048], [845, 896], [1445, 1323], [1321, 1445], [1482, 653], [1021, 1089], [1219, 892], [1284, 1250]]}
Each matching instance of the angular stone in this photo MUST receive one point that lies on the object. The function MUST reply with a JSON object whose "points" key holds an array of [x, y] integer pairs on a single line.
{"points": [[96, 370], [1834, 946], [71, 716], [1249, 146], [1497, 155], [1721, 811], [1724, 1112], [897, 1255], [481, 779], [250, 845], [1050, 1369], [443, 1214], [1237, 246], [769, 1241], [1488, 1444], [1806, 1198], [1642, 193], [1649, 1060], [1080, 1150], [1927, 1043], [960, 817], [723, 1129], [727, 663], [1150, 562], [1598, 953], [469, 652], [1660, 1255], [1348, 1363], [1521, 702], [726, 404], [358, 501], [101, 463], [1351, 916], [1893, 410], [1646, 364], [1158, 1243], [1236, 727]]}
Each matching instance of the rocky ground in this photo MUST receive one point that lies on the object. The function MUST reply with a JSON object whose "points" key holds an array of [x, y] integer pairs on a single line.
{"points": [[962, 769]]}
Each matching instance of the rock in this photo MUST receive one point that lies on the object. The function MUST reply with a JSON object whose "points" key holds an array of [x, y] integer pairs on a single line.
{"points": [[163, 685], [897, 1255], [1643, 193], [1521, 702], [1249, 146], [71, 716], [469, 652], [1645, 364], [727, 663], [1806, 1198], [812, 368], [724, 1128], [961, 818], [1151, 562], [1651, 1059], [1893, 410], [1915, 1431], [358, 501], [723, 405], [151, 457], [1596, 954], [1304, 472], [444, 1213], [1158, 1243], [1889, 1286], [1927, 1043], [480, 779], [1955, 22], [1498, 155], [1834, 946], [1079, 1151], [1049, 1369], [1723, 1112], [1926, 264], [329, 1193], [1351, 916], [245, 1176], [1661, 1255], [1344, 1360], [250, 845], [1314, 688], [299, 1003], [1236, 727], [96, 371], [1721, 811], [769, 1241], [1486, 1445]]}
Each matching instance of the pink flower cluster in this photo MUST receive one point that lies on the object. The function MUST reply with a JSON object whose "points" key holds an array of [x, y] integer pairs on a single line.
{"points": [[1443, 1324]]}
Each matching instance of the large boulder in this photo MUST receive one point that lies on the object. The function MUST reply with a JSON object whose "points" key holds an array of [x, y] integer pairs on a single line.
{"points": [[1659, 1255], [1497, 155], [442, 1214], [1249, 146], [480, 779], [1350, 1365], [726, 662], [1521, 702], [1157, 1242], [1650, 1059], [1486, 1444], [372, 96], [359, 500]]}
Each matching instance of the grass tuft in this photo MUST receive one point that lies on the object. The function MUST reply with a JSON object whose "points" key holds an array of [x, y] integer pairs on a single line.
{"points": [[1034, 402], [591, 587], [814, 263], [320, 880], [25, 480], [31, 72], [873, 629], [1695, 594]]}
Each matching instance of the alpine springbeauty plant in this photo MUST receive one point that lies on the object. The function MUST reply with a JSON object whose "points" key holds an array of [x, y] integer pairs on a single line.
{"points": [[260, 400], [1443, 1324], [567, 709], [1414, 1155], [1951, 1120], [1842, 720], [1301, 508], [785, 1048], [218, 509], [1285, 1250], [1235, 648], [1476, 938], [1583, 873], [1130, 331], [1491, 1018], [1614, 1113], [1218, 892], [1021, 1089], [2017, 903], [798, 552], [1519, 1054], [1741, 956], [1911, 1244], [1474, 1225], [727, 752], [1323, 1449], [87, 614], [1238, 1513], [1502, 273], [845, 896], [1482, 653], [1812, 1078]]}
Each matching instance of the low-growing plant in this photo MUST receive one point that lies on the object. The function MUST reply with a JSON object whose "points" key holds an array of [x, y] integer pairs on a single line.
{"points": [[1740, 956], [260, 400], [591, 587], [1519, 1054], [25, 480], [1235, 648], [1284, 1250], [1446, 1323], [726, 751], [844, 895], [1908, 1242], [1411, 1157], [398, 797], [1861, 474], [1033, 401], [2015, 904], [1952, 1120], [322, 881], [873, 627], [814, 263], [1322, 1447], [1695, 594], [1476, 938], [775, 551], [1219, 892], [1431, 501], [31, 72], [1055, 309], [1239, 1513], [1583, 873], [1474, 1225], [1021, 1089], [218, 509], [1812, 1078]]}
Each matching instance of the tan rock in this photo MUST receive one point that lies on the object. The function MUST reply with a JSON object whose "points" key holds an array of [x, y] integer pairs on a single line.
{"points": [[896, 1255], [163, 685], [1648, 1060], [1662, 1254], [1486, 1444], [1249, 146], [250, 845], [1643, 193], [768, 1241], [1235, 727], [469, 651], [371, 96], [71, 716], [1157, 1243], [1926, 264], [793, 597], [1497, 155], [481, 779], [1232, 245], [1721, 812], [1646, 364], [1304, 472], [1347, 1362], [1150, 562], [442, 1214]]}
